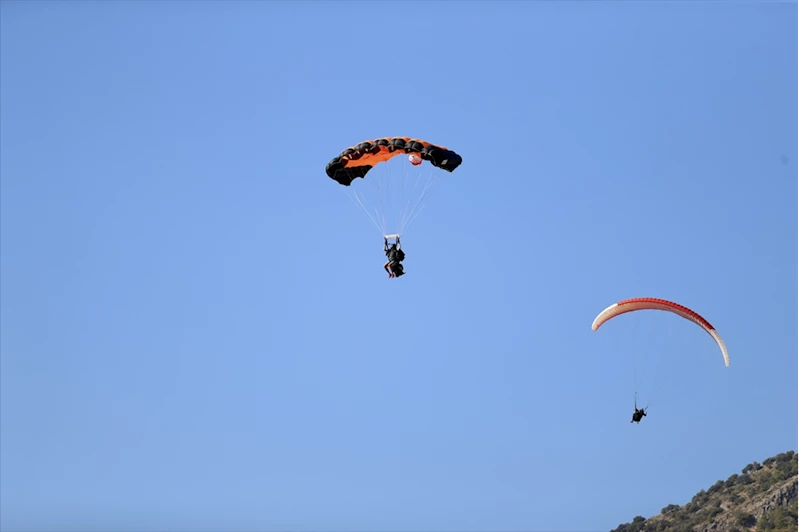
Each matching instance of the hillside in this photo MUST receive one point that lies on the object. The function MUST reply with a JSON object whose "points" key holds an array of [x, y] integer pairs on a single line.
{"points": [[761, 498]]}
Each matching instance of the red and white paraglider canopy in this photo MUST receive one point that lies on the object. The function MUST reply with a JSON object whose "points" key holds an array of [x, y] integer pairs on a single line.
{"points": [[651, 303]]}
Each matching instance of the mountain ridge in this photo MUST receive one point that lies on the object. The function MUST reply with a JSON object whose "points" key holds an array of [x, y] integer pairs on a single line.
{"points": [[762, 498]]}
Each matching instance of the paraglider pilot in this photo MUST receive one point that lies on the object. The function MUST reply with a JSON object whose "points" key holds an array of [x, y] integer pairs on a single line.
{"points": [[639, 413], [395, 257]]}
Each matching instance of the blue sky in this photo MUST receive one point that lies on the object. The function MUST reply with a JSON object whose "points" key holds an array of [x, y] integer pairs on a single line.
{"points": [[197, 332]]}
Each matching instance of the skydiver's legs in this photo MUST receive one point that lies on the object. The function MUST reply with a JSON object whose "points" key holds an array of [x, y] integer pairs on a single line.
{"points": [[387, 267]]}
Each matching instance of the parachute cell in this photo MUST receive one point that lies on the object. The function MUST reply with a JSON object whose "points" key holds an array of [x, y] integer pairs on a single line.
{"points": [[650, 303]]}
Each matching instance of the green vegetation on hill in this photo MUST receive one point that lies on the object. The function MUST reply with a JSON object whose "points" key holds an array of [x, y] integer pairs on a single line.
{"points": [[763, 498]]}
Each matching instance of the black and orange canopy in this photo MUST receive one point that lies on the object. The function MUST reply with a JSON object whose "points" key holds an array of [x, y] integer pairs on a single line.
{"points": [[357, 160]]}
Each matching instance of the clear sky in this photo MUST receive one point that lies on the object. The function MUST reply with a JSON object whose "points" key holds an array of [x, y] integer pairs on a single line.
{"points": [[197, 332]]}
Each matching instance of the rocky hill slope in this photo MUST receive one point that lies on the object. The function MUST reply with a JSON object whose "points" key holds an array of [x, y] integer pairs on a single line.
{"points": [[762, 498]]}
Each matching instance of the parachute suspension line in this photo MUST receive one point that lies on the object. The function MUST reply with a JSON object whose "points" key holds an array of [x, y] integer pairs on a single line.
{"points": [[380, 194], [410, 204], [417, 209], [414, 217], [380, 211], [388, 205], [403, 202], [357, 200], [407, 209], [402, 196], [419, 206], [379, 214], [404, 209], [371, 218]]}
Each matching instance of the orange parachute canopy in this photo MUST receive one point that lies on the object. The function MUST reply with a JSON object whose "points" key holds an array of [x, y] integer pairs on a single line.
{"points": [[651, 303], [357, 160]]}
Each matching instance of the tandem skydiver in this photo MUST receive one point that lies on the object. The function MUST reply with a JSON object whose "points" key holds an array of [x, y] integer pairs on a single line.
{"points": [[395, 257]]}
